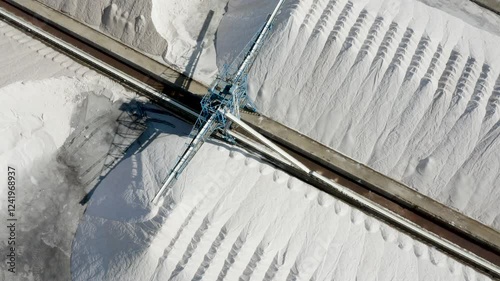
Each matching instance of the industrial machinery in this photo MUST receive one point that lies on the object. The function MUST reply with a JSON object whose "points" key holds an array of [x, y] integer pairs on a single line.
{"points": [[221, 105]]}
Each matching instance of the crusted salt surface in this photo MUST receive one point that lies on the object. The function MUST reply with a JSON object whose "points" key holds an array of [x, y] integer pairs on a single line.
{"points": [[403, 87], [228, 219]]}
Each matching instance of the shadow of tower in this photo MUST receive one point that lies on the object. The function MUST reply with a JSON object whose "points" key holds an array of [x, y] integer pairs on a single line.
{"points": [[185, 81]]}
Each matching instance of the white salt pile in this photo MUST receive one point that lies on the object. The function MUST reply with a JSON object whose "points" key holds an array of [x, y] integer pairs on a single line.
{"points": [[231, 217], [189, 27], [39, 111], [392, 83], [178, 33], [170, 30], [405, 88], [54, 113], [241, 22], [38, 119], [470, 12]]}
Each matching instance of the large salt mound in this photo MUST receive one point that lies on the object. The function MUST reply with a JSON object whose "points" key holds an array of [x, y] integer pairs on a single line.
{"points": [[231, 217], [175, 32], [56, 117], [40, 90], [189, 27], [405, 88], [42, 138]]}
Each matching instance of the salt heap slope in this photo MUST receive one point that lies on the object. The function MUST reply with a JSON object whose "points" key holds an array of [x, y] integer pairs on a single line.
{"points": [[231, 217], [402, 87], [178, 33]]}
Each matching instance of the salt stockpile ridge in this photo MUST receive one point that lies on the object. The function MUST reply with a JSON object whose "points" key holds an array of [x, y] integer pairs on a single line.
{"points": [[405, 88], [231, 217]]}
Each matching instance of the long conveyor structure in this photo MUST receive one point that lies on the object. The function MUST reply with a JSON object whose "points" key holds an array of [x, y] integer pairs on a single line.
{"points": [[221, 105]]}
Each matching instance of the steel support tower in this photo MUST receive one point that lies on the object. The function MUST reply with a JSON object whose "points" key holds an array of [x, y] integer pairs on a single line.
{"points": [[227, 95]]}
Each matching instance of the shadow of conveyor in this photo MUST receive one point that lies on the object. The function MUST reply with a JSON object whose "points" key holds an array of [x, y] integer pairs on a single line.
{"points": [[131, 127], [49, 205], [133, 122], [128, 128]]}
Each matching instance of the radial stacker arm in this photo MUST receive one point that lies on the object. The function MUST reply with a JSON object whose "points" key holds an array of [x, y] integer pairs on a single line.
{"points": [[221, 106]]}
